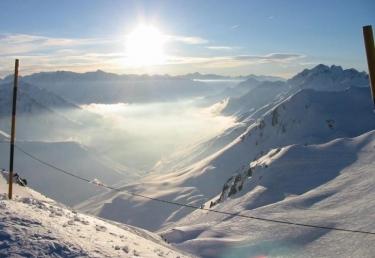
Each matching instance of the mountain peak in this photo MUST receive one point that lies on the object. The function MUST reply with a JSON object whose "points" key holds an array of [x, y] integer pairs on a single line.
{"points": [[329, 78], [320, 68]]}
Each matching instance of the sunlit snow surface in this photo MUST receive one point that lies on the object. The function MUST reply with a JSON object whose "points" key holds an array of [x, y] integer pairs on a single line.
{"points": [[326, 185], [32, 225]]}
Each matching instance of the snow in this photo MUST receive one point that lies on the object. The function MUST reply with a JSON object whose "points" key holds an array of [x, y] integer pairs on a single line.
{"points": [[46, 180], [256, 97], [333, 78], [32, 225], [329, 184], [267, 93]]}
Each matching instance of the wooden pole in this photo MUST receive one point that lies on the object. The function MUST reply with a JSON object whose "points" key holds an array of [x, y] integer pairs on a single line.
{"points": [[13, 132], [370, 52]]}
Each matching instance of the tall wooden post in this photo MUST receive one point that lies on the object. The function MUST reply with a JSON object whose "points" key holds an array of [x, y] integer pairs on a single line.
{"points": [[370, 52], [13, 132]]}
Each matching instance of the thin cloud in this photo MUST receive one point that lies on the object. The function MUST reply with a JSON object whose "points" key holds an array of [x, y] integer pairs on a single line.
{"points": [[270, 57], [19, 44], [238, 60], [235, 26], [220, 47], [41, 53], [16, 44], [190, 40]]}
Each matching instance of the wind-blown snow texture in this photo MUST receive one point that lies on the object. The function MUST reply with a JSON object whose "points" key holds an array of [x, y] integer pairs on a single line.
{"points": [[329, 185], [32, 225]]}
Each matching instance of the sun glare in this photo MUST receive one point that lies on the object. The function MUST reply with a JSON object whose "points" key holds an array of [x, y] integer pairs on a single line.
{"points": [[144, 46]]}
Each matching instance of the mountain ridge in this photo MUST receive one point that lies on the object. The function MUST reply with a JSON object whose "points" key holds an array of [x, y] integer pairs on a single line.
{"points": [[100, 74]]}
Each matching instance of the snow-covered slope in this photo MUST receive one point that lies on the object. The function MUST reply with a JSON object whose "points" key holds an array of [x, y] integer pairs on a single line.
{"points": [[46, 125], [31, 99], [261, 97], [308, 117], [256, 97], [251, 99], [320, 78], [67, 155], [196, 152], [328, 185], [41, 115], [240, 89], [32, 225]]}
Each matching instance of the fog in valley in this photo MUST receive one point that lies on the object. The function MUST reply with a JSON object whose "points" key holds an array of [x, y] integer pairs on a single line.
{"points": [[138, 135], [115, 142]]}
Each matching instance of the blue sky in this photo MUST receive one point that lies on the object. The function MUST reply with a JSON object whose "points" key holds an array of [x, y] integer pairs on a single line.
{"points": [[225, 37]]}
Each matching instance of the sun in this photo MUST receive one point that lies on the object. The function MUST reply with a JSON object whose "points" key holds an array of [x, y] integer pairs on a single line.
{"points": [[145, 46]]}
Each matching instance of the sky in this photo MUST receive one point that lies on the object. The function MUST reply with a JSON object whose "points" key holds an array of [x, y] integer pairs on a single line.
{"points": [[270, 37]]}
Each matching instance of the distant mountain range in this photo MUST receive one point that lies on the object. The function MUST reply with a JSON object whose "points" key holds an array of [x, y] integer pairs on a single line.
{"points": [[103, 87], [199, 76], [101, 75]]}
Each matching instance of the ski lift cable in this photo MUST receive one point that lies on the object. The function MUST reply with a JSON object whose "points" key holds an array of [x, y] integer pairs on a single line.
{"points": [[194, 207]]}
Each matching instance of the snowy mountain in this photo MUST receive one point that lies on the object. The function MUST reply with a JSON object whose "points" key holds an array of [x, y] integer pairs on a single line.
{"points": [[233, 91], [32, 225], [249, 96], [306, 118], [46, 127], [103, 87], [41, 115], [251, 99], [32, 98], [326, 78], [257, 96], [58, 186]]}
